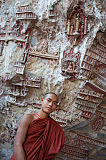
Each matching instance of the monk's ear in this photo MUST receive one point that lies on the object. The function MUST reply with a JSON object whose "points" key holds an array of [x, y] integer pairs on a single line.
{"points": [[58, 107], [41, 99]]}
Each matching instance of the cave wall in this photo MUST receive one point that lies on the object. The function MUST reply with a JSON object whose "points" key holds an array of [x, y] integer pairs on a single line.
{"points": [[58, 46]]}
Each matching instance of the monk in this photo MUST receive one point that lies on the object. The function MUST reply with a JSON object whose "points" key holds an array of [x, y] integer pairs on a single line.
{"points": [[39, 137]]}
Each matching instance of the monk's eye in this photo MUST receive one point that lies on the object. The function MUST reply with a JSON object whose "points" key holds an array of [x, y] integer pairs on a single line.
{"points": [[49, 100], [55, 103]]}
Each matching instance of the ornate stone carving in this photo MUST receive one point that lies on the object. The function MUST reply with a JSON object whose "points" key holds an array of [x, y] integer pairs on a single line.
{"points": [[19, 67], [83, 111], [15, 101], [4, 110], [70, 64], [52, 15], [25, 13], [5, 78], [101, 109], [97, 124], [14, 34], [88, 99], [76, 25], [42, 51], [11, 131], [95, 57], [79, 145], [17, 91], [29, 81]]}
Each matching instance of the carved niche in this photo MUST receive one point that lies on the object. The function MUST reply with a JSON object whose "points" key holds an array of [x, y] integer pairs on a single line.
{"points": [[76, 25], [70, 64]]}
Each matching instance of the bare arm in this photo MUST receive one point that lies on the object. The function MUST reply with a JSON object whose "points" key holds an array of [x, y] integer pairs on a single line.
{"points": [[19, 153]]}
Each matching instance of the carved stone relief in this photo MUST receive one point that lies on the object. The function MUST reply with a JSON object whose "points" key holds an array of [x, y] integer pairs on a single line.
{"points": [[42, 51], [40, 62], [70, 64], [88, 99], [25, 12], [79, 145], [95, 57], [76, 25]]}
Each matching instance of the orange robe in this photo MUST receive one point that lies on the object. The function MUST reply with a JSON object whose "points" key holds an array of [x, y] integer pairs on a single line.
{"points": [[44, 139]]}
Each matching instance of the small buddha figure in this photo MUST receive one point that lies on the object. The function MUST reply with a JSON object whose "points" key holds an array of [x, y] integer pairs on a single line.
{"points": [[45, 47], [71, 29], [70, 68], [85, 26], [68, 27], [77, 23], [1, 47], [39, 47]]}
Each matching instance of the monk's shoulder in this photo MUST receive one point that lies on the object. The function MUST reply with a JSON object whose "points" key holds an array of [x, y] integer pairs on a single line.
{"points": [[30, 117], [27, 118], [35, 116]]}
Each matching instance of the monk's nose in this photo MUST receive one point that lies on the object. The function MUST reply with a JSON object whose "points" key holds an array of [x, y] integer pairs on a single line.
{"points": [[50, 103]]}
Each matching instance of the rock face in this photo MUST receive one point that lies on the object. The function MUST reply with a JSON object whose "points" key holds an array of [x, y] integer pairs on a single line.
{"points": [[58, 46]]}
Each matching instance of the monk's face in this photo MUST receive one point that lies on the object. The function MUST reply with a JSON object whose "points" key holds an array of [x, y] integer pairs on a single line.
{"points": [[49, 103]]}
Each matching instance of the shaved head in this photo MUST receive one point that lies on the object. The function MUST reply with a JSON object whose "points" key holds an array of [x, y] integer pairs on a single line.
{"points": [[51, 93]]}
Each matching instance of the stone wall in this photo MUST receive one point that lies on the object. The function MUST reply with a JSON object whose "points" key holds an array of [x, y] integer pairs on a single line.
{"points": [[59, 46]]}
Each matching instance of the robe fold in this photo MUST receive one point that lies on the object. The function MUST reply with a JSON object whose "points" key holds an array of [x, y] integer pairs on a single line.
{"points": [[44, 139]]}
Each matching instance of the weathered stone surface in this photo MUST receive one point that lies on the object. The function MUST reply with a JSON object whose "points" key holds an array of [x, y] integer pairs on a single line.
{"points": [[34, 35]]}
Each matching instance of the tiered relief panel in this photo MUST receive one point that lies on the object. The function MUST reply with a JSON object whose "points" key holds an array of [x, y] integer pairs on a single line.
{"points": [[25, 13], [79, 145], [19, 66], [101, 112], [88, 99], [99, 74], [95, 56], [101, 109]]}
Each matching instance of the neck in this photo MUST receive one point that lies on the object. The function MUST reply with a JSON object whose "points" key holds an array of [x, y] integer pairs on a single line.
{"points": [[42, 114]]}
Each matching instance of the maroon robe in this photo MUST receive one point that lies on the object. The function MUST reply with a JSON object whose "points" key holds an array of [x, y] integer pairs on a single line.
{"points": [[44, 139]]}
